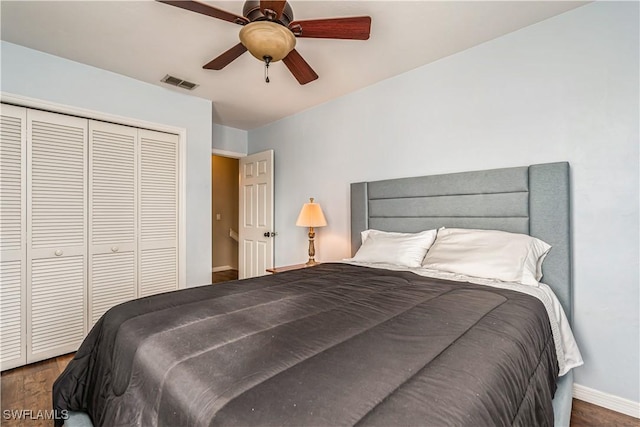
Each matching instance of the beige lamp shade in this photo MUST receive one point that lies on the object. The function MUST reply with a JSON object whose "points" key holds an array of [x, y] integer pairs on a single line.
{"points": [[264, 38], [311, 215]]}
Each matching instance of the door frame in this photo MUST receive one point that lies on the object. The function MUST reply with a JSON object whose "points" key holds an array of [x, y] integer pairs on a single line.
{"points": [[24, 101], [232, 155], [225, 153], [238, 155]]}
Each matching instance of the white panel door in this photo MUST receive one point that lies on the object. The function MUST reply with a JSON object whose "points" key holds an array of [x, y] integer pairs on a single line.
{"points": [[112, 219], [57, 235], [158, 207], [256, 215], [13, 218]]}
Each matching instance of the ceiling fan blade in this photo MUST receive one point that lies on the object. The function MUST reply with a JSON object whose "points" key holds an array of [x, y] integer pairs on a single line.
{"points": [[353, 28], [299, 68], [276, 6], [205, 9], [226, 58]]}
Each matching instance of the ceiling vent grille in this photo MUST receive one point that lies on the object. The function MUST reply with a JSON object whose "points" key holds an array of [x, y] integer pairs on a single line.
{"points": [[174, 81]]}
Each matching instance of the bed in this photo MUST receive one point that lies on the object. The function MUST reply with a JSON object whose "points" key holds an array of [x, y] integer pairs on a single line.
{"points": [[533, 200], [344, 344]]}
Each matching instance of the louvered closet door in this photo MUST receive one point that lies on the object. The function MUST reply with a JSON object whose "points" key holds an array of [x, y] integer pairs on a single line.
{"points": [[158, 242], [57, 243], [112, 223], [12, 236]]}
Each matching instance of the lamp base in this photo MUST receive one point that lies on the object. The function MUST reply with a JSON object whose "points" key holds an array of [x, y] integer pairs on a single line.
{"points": [[312, 249]]}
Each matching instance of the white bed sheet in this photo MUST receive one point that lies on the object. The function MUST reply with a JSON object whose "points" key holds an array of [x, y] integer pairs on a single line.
{"points": [[569, 356]]}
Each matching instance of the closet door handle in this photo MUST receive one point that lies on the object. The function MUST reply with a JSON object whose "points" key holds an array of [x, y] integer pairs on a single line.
{"points": [[114, 249], [58, 252]]}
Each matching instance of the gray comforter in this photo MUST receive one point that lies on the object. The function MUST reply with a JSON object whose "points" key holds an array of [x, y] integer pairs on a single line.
{"points": [[331, 345]]}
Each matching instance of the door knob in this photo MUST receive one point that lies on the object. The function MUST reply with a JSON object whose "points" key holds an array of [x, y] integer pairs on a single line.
{"points": [[58, 252], [270, 234]]}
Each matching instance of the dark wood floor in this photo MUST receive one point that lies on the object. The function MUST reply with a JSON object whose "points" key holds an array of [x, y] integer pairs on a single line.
{"points": [[584, 414], [224, 276], [29, 388]]}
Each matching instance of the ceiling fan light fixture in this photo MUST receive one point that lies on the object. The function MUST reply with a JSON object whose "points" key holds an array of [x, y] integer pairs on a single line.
{"points": [[269, 33], [267, 39]]}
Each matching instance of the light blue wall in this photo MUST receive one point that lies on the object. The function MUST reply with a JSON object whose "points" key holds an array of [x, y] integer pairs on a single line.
{"points": [[564, 89], [38, 75], [226, 138]]}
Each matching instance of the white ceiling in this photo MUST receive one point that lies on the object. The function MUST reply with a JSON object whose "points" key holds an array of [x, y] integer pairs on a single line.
{"points": [[147, 40]]}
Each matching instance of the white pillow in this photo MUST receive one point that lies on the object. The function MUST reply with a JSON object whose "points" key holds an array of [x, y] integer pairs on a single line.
{"points": [[371, 232], [490, 254], [404, 249]]}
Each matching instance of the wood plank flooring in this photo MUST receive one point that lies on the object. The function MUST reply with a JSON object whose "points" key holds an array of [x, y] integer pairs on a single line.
{"points": [[29, 388], [224, 276], [584, 414]]}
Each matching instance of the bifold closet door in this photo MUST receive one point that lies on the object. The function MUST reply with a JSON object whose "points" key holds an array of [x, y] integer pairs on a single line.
{"points": [[112, 216], [158, 198], [13, 245], [57, 236]]}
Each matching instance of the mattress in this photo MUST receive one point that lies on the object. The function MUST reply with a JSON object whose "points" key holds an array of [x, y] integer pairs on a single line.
{"points": [[335, 344]]}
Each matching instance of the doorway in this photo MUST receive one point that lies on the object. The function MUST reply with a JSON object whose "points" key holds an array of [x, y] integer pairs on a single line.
{"points": [[224, 209]]}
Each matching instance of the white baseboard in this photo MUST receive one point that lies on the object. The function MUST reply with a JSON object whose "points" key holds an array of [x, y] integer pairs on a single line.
{"points": [[221, 268], [606, 400]]}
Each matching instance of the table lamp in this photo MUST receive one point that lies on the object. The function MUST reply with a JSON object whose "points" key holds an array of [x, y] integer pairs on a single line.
{"points": [[311, 216]]}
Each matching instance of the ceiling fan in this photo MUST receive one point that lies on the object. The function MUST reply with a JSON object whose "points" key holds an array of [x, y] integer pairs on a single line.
{"points": [[269, 33]]}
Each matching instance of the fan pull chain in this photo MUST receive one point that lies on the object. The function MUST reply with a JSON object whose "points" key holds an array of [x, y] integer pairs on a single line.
{"points": [[267, 61]]}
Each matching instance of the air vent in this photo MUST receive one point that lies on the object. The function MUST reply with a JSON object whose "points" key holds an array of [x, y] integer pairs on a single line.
{"points": [[174, 81]]}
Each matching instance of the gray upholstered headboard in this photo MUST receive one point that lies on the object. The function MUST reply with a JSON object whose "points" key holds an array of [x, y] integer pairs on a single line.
{"points": [[531, 200]]}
